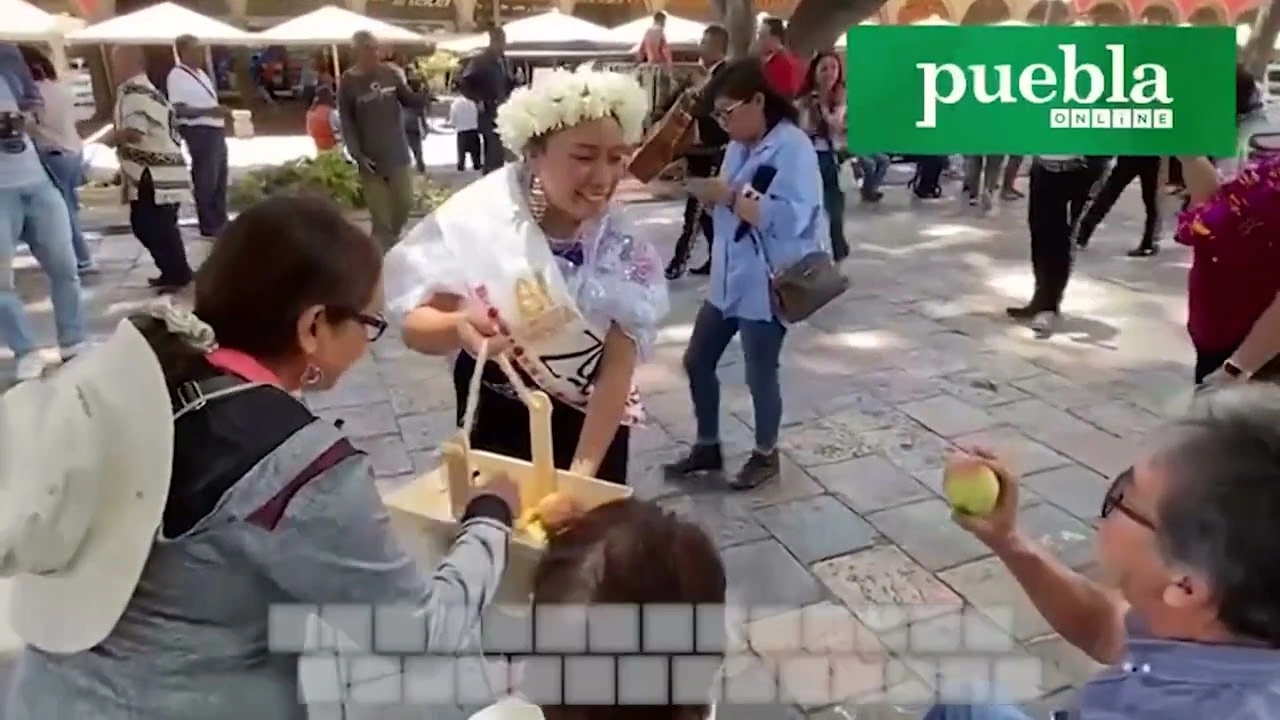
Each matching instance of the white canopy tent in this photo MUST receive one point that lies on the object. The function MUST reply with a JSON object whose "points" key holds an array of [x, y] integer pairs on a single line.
{"points": [[160, 25], [681, 33], [332, 25], [933, 20], [546, 31], [24, 22], [1011, 23]]}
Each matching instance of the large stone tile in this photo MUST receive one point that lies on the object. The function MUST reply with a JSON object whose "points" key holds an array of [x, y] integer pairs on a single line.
{"points": [[425, 431], [870, 483], [909, 446], [817, 528], [793, 483], [422, 397], [977, 389], [834, 438], [1064, 664], [884, 588], [764, 574], [1066, 536], [1076, 489], [898, 386], [1059, 391], [726, 519], [927, 533], [1039, 420], [988, 586], [965, 633], [388, 454], [645, 474], [354, 389], [948, 416], [1102, 452], [1019, 453], [1120, 418], [363, 420]]}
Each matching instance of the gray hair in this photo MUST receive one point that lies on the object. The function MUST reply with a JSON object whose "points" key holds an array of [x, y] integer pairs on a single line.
{"points": [[1218, 515]]}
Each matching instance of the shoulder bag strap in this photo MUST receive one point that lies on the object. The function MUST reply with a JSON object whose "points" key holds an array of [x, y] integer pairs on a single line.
{"points": [[199, 81], [195, 395]]}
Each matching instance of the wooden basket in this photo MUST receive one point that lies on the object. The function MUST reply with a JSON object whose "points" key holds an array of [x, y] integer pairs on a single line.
{"points": [[425, 512]]}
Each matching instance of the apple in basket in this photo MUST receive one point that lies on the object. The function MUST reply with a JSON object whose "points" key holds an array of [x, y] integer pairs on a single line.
{"points": [[554, 511]]}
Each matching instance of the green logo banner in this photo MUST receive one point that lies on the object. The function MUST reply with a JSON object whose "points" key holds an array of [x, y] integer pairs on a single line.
{"points": [[986, 90]]}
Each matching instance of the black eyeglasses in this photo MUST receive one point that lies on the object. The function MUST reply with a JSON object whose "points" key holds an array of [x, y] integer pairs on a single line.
{"points": [[374, 325], [1114, 500]]}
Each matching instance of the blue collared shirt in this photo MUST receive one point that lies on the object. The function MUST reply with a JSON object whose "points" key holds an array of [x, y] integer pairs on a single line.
{"points": [[793, 222], [18, 77], [1171, 680]]}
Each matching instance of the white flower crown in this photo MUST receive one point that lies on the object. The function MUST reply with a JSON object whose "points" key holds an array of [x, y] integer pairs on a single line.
{"points": [[564, 98]]}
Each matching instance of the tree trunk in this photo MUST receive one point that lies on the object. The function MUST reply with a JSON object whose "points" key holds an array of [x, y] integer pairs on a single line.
{"points": [[1261, 46], [816, 24], [738, 17]]}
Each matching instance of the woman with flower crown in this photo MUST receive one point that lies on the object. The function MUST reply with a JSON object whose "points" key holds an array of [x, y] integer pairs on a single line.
{"points": [[536, 261]]}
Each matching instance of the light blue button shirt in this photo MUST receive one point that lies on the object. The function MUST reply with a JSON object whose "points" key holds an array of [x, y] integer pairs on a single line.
{"points": [[793, 223]]}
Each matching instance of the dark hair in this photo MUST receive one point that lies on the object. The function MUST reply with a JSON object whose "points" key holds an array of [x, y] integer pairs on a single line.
{"points": [[1218, 512], [182, 42], [496, 33], [741, 79], [324, 95], [270, 264], [775, 27], [39, 64], [659, 17], [632, 552], [811, 74], [717, 34], [363, 37], [1248, 98]]}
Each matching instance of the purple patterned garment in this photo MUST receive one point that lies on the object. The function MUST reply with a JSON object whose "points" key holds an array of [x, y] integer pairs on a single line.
{"points": [[1240, 211]]}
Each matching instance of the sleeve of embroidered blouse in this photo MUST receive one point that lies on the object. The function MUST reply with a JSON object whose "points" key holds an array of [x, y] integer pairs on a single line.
{"points": [[794, 200], [334, 544], [627, 287], [418, 267]]}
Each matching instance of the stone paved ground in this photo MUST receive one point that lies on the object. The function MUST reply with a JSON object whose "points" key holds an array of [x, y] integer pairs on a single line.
{"points": [[916, 357]]}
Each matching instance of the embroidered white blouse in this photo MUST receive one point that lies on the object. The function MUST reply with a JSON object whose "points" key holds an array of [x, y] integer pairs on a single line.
{"points": [[613, 275]]}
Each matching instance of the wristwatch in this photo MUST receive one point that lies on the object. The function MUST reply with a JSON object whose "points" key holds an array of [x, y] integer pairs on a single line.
{"points": [[1234, 371]]}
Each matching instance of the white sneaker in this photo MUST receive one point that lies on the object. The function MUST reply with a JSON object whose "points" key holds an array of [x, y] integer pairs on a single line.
{"points": [[31, 366], [1045, 323]]}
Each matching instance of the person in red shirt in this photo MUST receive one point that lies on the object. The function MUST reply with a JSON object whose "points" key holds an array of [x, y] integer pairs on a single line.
{"points": [[781, 69]]}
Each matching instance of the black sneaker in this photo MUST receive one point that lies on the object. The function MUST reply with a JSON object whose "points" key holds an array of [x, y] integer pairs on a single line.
{"points": [[756, 471], [1022, 312], [701, 459]]}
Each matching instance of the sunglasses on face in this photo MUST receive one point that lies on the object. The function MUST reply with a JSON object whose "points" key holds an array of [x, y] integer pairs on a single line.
{"points": [[1114, 500]]}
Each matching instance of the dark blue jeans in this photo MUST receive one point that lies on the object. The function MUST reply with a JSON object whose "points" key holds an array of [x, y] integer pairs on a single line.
{"points": [[209, 175], [833, 201], [761, 346]]}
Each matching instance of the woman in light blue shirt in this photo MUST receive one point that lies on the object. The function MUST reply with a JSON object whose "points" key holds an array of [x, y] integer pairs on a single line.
{"points": [[768, 213]]}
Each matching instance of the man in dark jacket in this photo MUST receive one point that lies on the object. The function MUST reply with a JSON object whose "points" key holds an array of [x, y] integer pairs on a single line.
{"points": [[703, 159], [490, 78]]}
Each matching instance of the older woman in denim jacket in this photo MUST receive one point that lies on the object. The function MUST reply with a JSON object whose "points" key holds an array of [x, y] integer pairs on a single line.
{"points": [[768, 214]]}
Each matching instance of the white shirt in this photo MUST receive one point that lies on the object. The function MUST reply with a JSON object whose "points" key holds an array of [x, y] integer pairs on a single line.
{"points": [[464, 115], [192, 87], [55, 125]]}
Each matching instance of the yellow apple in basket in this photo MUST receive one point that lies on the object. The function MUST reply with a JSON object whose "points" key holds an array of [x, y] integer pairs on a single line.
{"points": [[970, 485]]}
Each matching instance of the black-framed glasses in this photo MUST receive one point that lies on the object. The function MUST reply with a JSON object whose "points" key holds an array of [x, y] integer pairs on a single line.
{"points": [[374, 325], [1114, 500]]}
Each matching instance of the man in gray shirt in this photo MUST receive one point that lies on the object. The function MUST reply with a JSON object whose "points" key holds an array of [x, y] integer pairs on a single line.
{"points": [[371, 100], [1187, 539]]}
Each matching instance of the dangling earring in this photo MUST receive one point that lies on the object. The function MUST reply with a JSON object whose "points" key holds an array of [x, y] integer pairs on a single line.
{"points": [[312, 376], [537, 199]]}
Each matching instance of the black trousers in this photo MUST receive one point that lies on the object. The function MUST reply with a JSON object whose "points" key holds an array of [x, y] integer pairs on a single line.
{"points": [[469, 147], [695, 216], [1127, 167], [502, 424], [1055, 201], [209, 175], [494, 155], [156, 227]]}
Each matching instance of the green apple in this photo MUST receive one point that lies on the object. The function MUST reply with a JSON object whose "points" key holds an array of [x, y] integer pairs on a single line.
{"points": [[971, 487]]}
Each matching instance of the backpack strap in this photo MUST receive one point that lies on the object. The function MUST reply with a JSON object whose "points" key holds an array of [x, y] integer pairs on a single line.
{"points": [[195, 394]]}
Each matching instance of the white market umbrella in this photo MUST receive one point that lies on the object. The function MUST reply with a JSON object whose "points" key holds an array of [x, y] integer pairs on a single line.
{"points": [[1011, 23], [547, 30], [680, 32], [24, 22], [332, 25], [160, 25], [933, 20]]}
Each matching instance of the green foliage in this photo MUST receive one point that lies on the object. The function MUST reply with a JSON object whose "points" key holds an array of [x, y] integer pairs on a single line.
{"points": [[327, 174], [437, 69]]}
